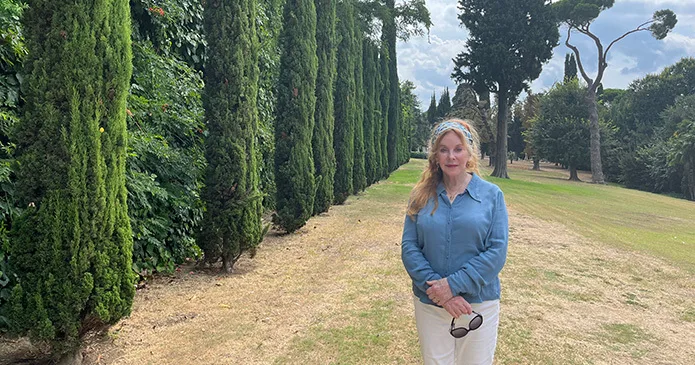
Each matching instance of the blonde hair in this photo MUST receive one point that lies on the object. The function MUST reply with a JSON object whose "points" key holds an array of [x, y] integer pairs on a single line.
{"points": [[426, 187]]}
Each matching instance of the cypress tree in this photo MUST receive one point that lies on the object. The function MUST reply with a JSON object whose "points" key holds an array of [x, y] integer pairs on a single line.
{"points": [[370, 163], [324, 118], [232, 220], [345, 94], [432, 116], [72, 246], [378, 116], [444, 104], [385, 101], [389, 38], [570, 67], [359, 179], [294, 163]]}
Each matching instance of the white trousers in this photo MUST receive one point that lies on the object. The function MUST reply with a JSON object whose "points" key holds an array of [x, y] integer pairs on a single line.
{"points": [[439, 347]]}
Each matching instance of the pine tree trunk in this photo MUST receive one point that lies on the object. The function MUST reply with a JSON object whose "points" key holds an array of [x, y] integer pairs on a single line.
{"points": [[536, 163], [595, 139], [573, 173], [501, 140]]}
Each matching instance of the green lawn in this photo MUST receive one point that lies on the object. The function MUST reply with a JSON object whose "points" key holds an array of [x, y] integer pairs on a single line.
{"points": [[651, 223]]}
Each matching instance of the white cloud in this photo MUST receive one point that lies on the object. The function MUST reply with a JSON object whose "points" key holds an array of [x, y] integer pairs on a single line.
{"points": [[429, 65], [444, 16], [653, 2], [680, 41]]}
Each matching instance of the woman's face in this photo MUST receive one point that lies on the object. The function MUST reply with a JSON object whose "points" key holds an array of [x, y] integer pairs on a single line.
{"points": [[452, 155]]}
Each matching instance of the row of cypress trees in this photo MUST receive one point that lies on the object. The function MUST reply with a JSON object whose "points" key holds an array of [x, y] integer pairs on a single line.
{"points": [[336, 132], [337, 129]]}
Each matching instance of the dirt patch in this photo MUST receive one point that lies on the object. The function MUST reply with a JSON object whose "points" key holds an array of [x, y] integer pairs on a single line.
{"points": [[336, 292]]}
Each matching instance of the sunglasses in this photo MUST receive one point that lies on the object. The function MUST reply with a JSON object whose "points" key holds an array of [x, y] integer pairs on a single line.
{"points": [[474, 324]]}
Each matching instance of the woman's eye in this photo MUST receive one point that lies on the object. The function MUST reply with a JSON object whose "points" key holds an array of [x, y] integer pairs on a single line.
{"points": [[458, 150], [442, 150]]}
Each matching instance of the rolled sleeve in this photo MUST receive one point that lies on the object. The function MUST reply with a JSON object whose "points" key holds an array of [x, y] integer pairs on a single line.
{"points": [[484, 268], [414, 260]]}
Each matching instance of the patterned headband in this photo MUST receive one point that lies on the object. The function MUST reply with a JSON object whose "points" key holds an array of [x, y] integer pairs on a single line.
{"points": [[441, 128]]}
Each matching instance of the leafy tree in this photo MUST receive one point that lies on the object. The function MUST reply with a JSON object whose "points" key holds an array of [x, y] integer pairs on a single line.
{"points": [[71, 148], [637, 114], [506, 48], [165, 162], [561, 130], [232, 220], [578, 15], [473, 105], [324, 117], [444, 105], [174, 27], [345, 95], [570, 67], [268, 27], [12, 54], [294, 163], [420, 129], [410, 110], [682, 142], [529, 112]]}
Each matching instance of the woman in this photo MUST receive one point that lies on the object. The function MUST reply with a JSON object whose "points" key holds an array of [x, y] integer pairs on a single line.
{"points": [[454, 246]]}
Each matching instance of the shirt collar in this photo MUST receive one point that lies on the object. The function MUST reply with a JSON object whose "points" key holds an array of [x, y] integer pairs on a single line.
{"points": [[473, 188]]}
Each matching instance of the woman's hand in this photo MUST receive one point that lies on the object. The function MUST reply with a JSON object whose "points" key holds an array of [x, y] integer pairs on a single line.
{"points": [[439, 291], [457, 306]]}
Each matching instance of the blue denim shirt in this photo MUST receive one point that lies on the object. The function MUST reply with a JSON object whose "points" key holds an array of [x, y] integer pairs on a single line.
{"points": [[464, 241]]}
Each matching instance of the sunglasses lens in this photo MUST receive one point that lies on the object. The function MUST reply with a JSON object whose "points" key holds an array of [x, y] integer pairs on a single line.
{"points": [[459, 332], [476, 322]]}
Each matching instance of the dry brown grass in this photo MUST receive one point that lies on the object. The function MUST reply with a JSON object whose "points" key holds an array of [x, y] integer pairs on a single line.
{"points": [[336, 293]]}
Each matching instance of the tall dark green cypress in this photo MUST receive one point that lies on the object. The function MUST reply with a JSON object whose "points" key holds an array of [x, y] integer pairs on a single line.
{"points": [[370, 163], [444, 104], [359, 178], [378, 116], [294, 125], [385, 107], [345, 94], [324, 118], [388, 37], [72, 247], [432, 116], [232, 220]]}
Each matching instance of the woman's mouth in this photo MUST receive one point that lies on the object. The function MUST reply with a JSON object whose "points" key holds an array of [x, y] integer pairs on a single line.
{"points": [[450, 166]]}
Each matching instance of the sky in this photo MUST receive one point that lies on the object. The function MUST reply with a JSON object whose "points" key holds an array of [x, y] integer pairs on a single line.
{"points": [[428, 63]]}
